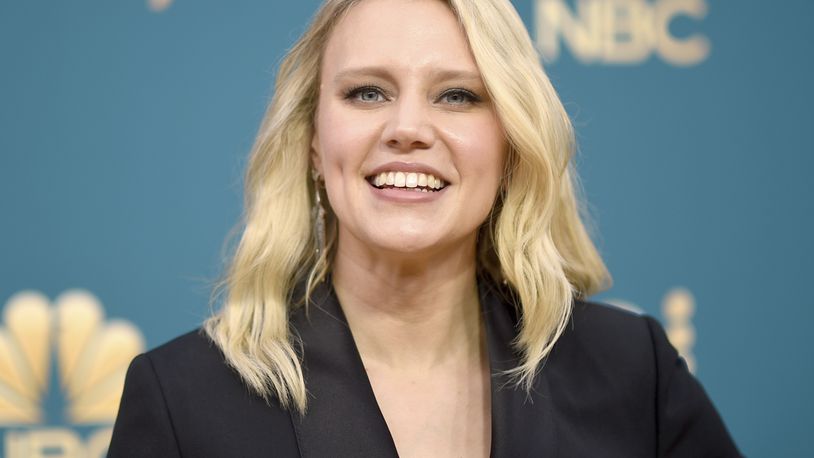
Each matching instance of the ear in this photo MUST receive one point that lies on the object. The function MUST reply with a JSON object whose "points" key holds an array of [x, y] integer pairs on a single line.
{"points": [[316, 158]]}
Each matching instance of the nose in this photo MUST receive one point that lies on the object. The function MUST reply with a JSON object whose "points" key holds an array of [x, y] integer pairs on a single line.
{"points": [[409, 127]]}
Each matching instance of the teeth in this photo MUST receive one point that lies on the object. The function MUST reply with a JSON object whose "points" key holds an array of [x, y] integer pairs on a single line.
{"points": [[412, 180], [419, 181], [434, 183], [401, 180]]}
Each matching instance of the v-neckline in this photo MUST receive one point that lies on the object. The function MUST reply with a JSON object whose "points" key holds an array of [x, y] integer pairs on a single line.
{"points": [[344, 417]]}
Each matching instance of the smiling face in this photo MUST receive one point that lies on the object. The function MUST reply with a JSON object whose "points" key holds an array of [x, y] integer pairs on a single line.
{"points": [[406, 139]]}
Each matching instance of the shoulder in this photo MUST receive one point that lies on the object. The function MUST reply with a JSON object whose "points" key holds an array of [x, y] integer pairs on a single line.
{"points": [[602, 376], [607, 345], [187, 354], [609, 328], [598, 313], [187, 386], [620, 336], [189, 361], [191, 368], [625, 360]]}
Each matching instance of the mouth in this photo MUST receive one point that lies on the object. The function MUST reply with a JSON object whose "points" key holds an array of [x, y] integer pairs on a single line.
{"points": [[408, 181]]}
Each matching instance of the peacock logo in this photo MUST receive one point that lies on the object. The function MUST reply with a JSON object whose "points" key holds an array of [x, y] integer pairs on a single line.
{"points": [[157, 6], [61, 364]]}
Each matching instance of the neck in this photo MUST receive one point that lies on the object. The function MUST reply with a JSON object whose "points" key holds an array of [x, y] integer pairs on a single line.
{"points": [[411, 314]]}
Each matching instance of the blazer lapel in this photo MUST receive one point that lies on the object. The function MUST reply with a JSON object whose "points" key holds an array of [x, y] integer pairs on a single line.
{"points": [[343, 418], [522, 424]]}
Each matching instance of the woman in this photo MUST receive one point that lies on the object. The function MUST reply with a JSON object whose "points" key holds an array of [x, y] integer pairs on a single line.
{"points": [[411, 273]]}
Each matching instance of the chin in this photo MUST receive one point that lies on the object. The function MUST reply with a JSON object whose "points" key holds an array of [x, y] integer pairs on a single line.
{"points": [[425, 246], [401, 237], [407, 243]]}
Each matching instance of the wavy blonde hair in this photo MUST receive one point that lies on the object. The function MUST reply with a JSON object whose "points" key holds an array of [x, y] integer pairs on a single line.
{"points": [[534, 240]]}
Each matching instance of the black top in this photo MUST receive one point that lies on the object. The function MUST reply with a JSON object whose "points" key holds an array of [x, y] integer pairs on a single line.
{"points": [[613, 386]]}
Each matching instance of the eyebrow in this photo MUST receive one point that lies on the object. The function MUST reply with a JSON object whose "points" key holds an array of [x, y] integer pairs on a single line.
{"points": [[437, 75]]}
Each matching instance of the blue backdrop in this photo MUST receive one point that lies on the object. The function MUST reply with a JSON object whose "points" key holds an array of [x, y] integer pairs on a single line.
{"points": [[125, 126]]}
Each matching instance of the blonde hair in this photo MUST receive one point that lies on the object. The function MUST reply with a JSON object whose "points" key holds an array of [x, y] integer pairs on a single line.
{"points": [[534, 240]]}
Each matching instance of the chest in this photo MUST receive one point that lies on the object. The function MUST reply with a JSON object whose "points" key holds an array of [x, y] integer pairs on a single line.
{"points": [[440, 414]]}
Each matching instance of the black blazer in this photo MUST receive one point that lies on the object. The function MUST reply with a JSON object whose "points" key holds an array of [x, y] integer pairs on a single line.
{"points": [[613, 386]]}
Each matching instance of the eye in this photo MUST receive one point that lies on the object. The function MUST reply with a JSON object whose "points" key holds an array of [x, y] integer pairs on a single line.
{"points": [[365, 94], [460, 97]]}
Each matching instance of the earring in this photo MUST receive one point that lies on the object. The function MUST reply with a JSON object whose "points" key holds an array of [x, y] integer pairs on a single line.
{"points": [[318, 216]]}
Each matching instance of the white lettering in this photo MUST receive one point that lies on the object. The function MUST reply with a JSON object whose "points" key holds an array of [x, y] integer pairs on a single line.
{"points": [[99, 442], [690, 51], [47, 443], [582, 35], [626, 31], [619, 31], [56, 443]]}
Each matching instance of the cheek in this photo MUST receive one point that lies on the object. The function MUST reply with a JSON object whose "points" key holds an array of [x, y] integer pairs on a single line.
{"points": [[343, 142], [482, 151]]}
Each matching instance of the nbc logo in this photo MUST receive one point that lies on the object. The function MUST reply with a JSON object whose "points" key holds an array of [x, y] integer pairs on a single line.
{"points": [[621, 32], [158, 6], [62, 369]]}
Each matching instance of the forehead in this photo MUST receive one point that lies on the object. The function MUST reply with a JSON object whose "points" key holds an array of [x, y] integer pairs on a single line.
{"points": [[412, 34]]}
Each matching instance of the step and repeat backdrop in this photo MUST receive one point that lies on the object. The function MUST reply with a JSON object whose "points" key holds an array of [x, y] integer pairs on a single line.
{"points": [[125, 126]]}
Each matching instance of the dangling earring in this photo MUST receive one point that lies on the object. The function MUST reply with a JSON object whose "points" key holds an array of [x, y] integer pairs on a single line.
{"points": [[318, 216]]}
